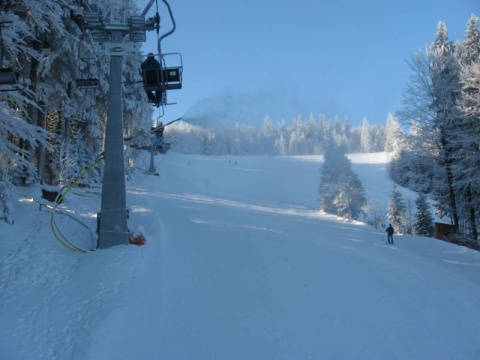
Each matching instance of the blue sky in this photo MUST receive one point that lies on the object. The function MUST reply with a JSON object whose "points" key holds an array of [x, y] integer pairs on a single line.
{"points": [[244, 60]]}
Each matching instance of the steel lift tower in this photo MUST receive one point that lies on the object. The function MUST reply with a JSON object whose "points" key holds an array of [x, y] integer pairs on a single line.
{"points": [[113, 214], [112, 221]]}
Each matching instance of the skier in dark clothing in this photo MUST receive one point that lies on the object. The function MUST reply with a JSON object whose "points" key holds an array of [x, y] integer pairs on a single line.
{"points": [[390, 232], [152, 64]]}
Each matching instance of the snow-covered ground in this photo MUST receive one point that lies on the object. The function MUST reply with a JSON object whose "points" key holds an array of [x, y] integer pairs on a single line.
{"points": [[239, 265]]}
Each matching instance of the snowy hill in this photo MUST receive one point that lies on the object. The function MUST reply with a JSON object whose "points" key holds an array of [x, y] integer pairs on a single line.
{"points": [[239, 265]]}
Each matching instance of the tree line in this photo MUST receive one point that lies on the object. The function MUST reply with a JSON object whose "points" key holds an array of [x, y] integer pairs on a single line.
{"points": [[440, 117], [301, 136]]}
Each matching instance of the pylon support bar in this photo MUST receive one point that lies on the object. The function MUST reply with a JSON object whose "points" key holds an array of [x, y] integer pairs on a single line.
{"points": [[113, 224]]}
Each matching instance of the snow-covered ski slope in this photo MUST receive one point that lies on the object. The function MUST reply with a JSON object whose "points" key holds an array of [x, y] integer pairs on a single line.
{"points": [[239, 265]]}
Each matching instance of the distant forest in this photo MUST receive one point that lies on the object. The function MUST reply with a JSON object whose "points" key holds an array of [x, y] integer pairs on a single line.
{"points": [[300, 137]]}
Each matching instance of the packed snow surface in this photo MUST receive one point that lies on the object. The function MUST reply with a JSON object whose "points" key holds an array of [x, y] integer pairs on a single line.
{"points": [[239, 264]]}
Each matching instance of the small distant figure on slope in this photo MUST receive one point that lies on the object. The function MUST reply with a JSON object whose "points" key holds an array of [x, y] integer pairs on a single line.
{"points": [[390, 232]]}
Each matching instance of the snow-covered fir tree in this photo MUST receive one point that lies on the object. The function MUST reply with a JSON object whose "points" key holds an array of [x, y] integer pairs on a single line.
{"points": [[394, 137], [423, 225], [445, 85], [441, 107], [297, 141], [341, 192], [411, 168], [429, 106], [268, 136], [374, 213], [466, 129], [350, 198], [366, 138], [396, 211]]}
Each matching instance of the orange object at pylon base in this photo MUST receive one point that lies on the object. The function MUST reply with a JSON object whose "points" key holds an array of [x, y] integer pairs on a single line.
{"points": [[138, 239]]}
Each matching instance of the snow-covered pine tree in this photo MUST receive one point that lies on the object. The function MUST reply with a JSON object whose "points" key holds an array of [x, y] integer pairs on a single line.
{"points": [[15, 130], [366, 138], [394, 138], [378, 134], [281, 141], [350, 197], [429, 105], [412, 169], [467, 129], [468, 51], [423, 225], [396, 211], [341, 192], [311, 137], [17, 133], [267, 136], [374, 213], [333, 167], [296, 143], [445, 86], [324, 130]]}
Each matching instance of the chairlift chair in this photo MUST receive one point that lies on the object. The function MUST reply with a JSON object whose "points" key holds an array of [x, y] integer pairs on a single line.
{"points": [[8, 79], [87, 82], [162, 79], [165, 78]]}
